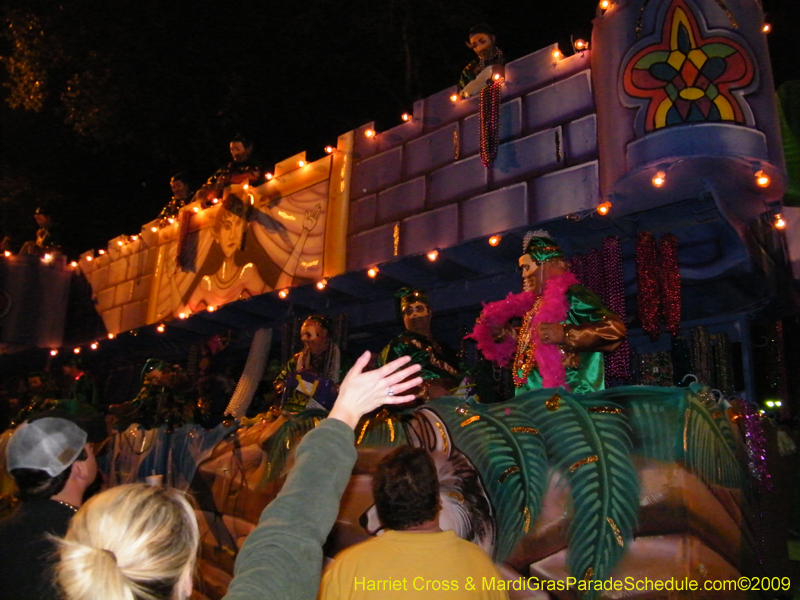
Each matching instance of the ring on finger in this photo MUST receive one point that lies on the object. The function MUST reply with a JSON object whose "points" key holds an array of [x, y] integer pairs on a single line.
{"points": [[389, 391]]}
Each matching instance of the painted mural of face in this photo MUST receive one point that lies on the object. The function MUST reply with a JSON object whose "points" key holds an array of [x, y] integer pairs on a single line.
{"points": [[314, 337], [230, 234], [417, 318], [482, 44]]}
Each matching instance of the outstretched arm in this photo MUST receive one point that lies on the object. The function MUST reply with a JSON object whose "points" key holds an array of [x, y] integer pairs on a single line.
{"points": [[288, 271], [282, 557]]}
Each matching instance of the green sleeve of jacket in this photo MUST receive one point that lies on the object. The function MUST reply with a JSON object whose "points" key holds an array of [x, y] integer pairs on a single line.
{"points": [[282, 558]]}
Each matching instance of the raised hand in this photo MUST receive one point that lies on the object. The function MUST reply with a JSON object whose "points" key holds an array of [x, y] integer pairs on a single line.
{"points": [[362, 392]]}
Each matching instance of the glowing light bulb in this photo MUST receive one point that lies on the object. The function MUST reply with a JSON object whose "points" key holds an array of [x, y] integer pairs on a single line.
{"points": [[766, 28], [246, 186], [496, 76], [154, 229], [93, 346], [171, 220], [211, 308], [406, 117], [215, 201], [495, 240], [433, 255], [369, 133], [580, 45], [605, 4], [454, 98], [557, 54], [119, 242], [604, 208], [160, 328], [47, 257], [283, 293], [196, 209], [134, 238], [329, 149], [7, 253], [89, 258], [659, 179], [373, 272], [111, 336], [780, 223], [73, 264], [321, 284], [268, 176], [101, 252], [182, 315], [77, 350], [53, 352], [762, 179], [301, 163]]}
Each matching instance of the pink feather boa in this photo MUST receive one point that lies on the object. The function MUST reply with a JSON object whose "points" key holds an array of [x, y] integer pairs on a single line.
{"points": [[553, 309]]}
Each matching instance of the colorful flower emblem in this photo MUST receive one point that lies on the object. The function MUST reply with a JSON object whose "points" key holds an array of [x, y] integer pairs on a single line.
{"points": [[686, 77]]}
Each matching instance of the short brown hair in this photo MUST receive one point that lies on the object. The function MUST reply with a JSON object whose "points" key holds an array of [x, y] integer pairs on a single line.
{"points": [[406, 488]]}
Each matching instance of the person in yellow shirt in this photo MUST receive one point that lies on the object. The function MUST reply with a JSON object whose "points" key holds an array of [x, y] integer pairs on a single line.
{"points": [[413, 558]]}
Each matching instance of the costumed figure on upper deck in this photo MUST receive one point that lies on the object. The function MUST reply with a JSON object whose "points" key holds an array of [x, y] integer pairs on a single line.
{"points": [[244, 168], [48, 238], [310, 379], [490, 61], [440, 369], [565, 326], [181, 196]]}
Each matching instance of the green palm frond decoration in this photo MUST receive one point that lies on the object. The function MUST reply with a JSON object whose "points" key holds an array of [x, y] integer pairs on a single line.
{"points": [[278, 446], [655, 415], [384, 429], [505, 447], [685, 425], [709, 450], [588, 441]]}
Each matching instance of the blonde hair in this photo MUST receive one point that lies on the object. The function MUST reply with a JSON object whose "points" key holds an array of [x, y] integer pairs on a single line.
{"points": [[132, 542]]}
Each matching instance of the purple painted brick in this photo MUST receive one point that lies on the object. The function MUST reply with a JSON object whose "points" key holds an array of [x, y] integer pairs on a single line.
{"points": [[376, 173], [370, 247], [580, 140], [362, 214], [529, 156], [433, 229], [364, 147], [563, 101], [510, 127], [401, 200], [440, 110], [567, 191], [430, 151], [500, 210], [404, 131], [534, 70], [456, 181]]}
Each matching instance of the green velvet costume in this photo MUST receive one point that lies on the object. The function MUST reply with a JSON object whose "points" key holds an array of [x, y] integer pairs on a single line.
{"points": [[438, 361], [590, 329]]}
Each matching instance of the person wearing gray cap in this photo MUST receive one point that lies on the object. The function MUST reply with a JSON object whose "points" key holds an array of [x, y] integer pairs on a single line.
{"points": [[52, 465]]}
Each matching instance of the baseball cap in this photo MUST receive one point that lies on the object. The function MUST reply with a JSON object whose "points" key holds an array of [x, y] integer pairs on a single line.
{"points": [[49, 444]]}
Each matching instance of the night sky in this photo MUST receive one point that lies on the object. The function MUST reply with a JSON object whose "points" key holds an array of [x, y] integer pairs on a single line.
{"points": [[132, 92]]}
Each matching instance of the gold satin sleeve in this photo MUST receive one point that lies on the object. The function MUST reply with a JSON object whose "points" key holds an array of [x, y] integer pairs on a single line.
{"points": [[600, 336]]}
